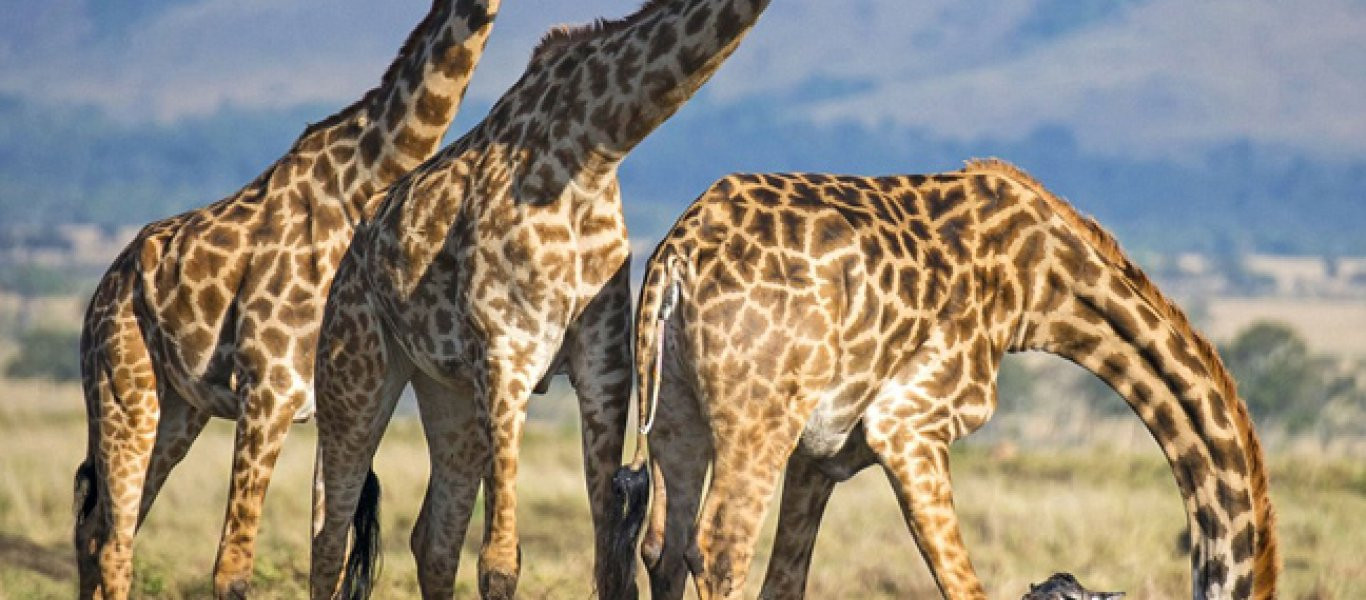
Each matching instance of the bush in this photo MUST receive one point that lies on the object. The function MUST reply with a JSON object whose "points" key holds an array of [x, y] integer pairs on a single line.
{"points": [[1278, 378], [47, 353], [34, 281]]}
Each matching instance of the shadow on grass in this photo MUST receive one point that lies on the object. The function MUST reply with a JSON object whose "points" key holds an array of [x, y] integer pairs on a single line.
{"points": [[24, 554]]}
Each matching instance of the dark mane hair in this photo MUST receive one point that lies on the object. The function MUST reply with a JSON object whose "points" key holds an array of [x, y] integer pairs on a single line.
{"points": [[564, 35]]}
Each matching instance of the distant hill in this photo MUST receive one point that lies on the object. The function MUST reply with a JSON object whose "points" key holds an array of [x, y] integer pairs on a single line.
{"points": [[75, 165]]}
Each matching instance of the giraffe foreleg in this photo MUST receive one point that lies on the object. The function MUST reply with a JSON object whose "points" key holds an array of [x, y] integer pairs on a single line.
{"points": [[122, 402], [599, 360], [459, 453], [918, 468], [511, 368]]}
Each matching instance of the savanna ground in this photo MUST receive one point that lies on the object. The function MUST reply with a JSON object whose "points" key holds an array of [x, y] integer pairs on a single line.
{"points": [[1108, 512]]}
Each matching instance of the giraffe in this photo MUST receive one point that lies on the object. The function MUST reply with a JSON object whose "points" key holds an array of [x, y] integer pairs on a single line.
{"points": [[215, 312], [495, 265], [823, 323]]}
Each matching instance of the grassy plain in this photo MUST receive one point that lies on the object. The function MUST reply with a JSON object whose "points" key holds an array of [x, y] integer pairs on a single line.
{"points": [[1111, 516]]}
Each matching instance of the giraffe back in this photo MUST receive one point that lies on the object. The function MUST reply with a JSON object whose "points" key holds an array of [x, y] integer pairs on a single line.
{"points": [[846, 278]]}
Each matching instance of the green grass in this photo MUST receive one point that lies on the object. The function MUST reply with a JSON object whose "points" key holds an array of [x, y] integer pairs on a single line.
{"points": [[1112, 517]]}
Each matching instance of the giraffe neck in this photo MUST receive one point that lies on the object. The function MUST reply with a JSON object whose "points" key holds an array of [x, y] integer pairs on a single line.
{"points": [[643, 67], [400, 123], [1100, 311], [591, 93]]}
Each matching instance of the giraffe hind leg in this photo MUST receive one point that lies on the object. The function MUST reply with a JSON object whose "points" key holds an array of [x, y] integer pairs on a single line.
{"points": [[358, 380], [749, 458], [680, 451], [807, 485], [598, 354], [505, 389], [128, 412], [806, 490], [261, 428], [459, 455]]}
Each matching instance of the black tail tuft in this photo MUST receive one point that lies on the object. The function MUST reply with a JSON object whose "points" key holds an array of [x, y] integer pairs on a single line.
{"points": [[362, 567], [87, 492], [630, 494]]}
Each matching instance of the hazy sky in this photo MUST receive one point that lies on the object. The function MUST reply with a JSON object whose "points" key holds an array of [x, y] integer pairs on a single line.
{"points": [[1142, 77]]}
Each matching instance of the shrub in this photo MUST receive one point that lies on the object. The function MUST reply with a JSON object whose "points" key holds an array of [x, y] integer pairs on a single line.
{"points": [[47, 353]]}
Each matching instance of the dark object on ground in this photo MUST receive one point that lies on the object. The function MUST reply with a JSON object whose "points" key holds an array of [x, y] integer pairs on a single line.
{"points": [[1063, 586]]}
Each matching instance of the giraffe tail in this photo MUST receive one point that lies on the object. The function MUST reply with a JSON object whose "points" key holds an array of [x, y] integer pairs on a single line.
{"points": [[86, 492], [362, 566], [630, 495], [631, 484]]}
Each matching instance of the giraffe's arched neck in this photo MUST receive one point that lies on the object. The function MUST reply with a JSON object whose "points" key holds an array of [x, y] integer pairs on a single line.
{"points": [[1093, 306]]}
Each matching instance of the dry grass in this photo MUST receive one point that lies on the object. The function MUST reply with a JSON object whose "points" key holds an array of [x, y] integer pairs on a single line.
{"points": [[1112, 517]]}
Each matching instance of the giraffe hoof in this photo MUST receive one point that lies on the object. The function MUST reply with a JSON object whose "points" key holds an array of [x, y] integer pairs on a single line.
{"points": [[497, 586], [237, 589]]}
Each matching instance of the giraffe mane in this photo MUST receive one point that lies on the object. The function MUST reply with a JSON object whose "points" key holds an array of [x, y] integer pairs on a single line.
{"points": [[1105, 244], [561, 36]]}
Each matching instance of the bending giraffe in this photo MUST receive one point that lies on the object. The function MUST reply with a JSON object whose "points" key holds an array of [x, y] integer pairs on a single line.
{"points": [[215, 312], [821, 324], [490, 268]]}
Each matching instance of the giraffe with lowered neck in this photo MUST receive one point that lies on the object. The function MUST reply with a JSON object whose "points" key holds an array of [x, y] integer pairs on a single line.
{"points": [[823, 323], [215, 312], [493, 266]]}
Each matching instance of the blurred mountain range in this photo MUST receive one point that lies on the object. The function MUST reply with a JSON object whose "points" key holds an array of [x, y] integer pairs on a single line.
{"points": [[1219, 126]]}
